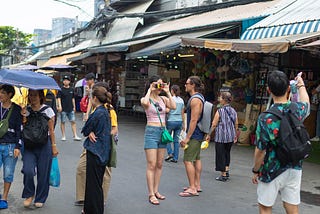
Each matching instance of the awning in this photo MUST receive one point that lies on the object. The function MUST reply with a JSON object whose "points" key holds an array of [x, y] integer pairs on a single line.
{"points": [[224, 16], [60, 59], [269, 45], [172, 42], [124, 28], [122, 47], [311, 44], [299, 17], [80, 57]]}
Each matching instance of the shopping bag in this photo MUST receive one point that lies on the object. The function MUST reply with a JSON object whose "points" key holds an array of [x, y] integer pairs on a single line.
{"points": [[113, 154], [54, 179]]}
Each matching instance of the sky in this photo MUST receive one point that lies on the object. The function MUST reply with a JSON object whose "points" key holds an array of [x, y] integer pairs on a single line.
{"points": [[26, 15]]}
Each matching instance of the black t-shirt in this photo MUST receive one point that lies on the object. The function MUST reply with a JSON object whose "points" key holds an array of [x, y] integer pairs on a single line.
{"points": [[66, 95]]}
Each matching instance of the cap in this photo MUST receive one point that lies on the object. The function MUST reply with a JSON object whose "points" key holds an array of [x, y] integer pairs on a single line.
{"points": [[66, 78], [90, 76]]}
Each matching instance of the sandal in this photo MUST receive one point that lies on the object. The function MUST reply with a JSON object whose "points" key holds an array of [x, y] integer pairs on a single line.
{"points": [[153, 200], [159, 196], [198, 190]]}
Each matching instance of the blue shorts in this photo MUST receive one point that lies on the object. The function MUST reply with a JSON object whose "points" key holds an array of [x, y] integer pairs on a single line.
{"points": [[152, 138], [70, 116], [8, 161]]}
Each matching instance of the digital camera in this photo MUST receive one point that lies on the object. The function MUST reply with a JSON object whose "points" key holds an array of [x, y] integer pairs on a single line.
{"points": [[159, 85]]}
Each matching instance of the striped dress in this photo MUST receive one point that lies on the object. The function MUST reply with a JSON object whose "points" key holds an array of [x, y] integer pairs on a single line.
{"points": [[225, 131]]}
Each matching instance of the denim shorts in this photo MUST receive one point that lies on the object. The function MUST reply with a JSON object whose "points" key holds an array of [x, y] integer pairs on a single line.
{"points": [[70, 116], [8, 161], [152, 138]]}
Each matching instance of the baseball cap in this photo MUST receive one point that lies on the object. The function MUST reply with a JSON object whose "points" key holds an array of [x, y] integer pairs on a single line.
{"points": [[90, 76], [66, 78]]}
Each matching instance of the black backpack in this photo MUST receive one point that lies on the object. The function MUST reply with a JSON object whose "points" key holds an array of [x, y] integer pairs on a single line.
{"points": [[293, 139], [35, 131]]}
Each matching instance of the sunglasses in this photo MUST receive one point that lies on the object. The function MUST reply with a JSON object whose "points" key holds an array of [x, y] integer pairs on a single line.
{"points": [[158, 106]]}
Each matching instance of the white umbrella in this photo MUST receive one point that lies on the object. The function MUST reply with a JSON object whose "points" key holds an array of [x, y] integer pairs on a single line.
{"points": [[80, 83]]}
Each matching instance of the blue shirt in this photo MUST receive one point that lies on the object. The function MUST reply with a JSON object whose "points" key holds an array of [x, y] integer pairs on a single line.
{"points": [[197, 134], [99, 123], [175, 115], [15, 122]]}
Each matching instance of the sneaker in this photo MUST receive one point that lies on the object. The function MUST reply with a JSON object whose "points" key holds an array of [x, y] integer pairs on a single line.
{"points": [[38, 205], [168, 158], [79, 203], [221, 178], [63, 139], [77, 138], [316, 138], [173, 161], [3, 204]]}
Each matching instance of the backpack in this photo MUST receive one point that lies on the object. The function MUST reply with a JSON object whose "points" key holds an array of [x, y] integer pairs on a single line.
{"points": [[294, 141], [204, 124], [84, 104], [35, 131], [4, 123]]}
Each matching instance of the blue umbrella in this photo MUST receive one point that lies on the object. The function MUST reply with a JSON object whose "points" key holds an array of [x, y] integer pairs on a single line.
{"points": [[27, 79], [27, 67]]}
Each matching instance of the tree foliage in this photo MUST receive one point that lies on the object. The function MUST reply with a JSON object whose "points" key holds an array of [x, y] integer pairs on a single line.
{"points": [[11, 39]]}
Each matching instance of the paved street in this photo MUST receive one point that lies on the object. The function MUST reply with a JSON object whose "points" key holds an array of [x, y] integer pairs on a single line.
{"points": [[128, 192]]}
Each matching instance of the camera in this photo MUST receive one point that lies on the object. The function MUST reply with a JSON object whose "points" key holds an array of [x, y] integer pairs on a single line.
{"points": [[159, 85]]}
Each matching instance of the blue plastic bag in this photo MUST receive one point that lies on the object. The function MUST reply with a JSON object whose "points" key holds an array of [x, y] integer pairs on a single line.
{"points": [[54, 179]]}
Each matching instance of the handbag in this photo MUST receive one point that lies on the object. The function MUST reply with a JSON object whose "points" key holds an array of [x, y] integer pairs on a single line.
{"points": [[113, 154], [4, 124], [54, 179], [165, 135]]}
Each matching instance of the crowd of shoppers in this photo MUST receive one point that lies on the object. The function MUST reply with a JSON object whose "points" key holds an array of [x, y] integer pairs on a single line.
{"points": [[164, 109]]}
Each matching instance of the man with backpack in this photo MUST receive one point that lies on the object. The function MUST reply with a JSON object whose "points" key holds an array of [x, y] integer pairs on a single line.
{"points": [[271, 174], [193, 138]]}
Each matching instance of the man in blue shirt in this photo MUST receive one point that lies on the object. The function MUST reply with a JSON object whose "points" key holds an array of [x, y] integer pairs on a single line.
{"points": [[268, 173], [193, 138]]}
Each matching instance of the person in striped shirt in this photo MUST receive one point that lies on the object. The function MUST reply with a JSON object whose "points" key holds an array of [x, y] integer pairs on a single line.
{"points": [[224, 125]]}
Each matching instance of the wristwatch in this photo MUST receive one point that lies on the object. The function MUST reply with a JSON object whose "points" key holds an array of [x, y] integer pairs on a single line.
{"points": [[254, 171]]}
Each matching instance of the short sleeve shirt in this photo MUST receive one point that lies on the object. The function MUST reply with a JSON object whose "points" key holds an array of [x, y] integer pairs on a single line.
{"points": [[66, 95], [266, 139]]}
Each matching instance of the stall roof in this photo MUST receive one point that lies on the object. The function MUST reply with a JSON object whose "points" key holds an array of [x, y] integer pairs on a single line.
{"points": [[60, 59], [268, 45], [299, 17], [172, 42], [122, 46], [124, 28], [216, 17]]}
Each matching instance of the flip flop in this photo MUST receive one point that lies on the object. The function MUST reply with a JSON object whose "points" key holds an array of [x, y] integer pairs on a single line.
{"points": [[188, 194], [185, 188]]}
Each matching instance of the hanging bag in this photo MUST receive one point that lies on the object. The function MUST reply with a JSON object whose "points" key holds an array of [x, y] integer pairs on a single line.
{"points": [[165, 136], [113, 154], [54, 179], [4, 123]]}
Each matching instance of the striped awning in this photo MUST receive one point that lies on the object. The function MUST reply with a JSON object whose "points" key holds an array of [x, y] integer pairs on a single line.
{"points": [[282, 30]]}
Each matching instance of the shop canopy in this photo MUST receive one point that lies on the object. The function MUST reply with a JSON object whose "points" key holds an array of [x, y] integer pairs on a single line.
{"points": [[269, 45], [299, 17], [172, 42], [60, 59]]}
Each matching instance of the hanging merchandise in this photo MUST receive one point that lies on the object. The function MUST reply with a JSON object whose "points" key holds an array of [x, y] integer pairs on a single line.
{"points": [[244, 67]]}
